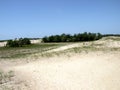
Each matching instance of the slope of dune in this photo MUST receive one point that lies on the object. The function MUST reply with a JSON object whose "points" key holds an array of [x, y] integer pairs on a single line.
{"points": [[95, 70]]}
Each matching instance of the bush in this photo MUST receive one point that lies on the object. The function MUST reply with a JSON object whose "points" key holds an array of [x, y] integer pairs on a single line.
{"points": [[18, 43]]}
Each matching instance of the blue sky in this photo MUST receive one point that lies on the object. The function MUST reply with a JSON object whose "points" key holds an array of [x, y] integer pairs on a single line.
{"points": [[38, 18]]}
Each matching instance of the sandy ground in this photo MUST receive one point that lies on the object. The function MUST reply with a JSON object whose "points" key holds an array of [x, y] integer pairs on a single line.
{"points": [[2, 44], [77, 72], [91, 71], [36, 41]]}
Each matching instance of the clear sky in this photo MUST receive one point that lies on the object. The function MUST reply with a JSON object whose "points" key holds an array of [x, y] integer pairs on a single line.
{"points": [[38, 18]]}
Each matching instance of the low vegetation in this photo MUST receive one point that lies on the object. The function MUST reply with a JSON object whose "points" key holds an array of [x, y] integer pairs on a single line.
{"points": [[18, 42], [23, 46], [6, 76], [5, 79], [20, 52]]}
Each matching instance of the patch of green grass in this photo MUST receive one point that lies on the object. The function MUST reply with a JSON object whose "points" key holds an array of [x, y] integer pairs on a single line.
{"points": [[21, 52], [91, 49], [78, 50]]}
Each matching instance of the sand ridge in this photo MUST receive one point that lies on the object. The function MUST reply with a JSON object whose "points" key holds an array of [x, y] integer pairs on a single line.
{"points": [[85, 73], [95, 70]]}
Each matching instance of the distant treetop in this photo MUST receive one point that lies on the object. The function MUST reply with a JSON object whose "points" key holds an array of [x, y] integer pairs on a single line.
{"points": [[73, 38]]}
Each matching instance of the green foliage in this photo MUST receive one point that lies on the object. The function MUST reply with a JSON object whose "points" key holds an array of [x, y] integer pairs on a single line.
{"points": [[73, 38], [18, 43], [12, 43], [27, 50], [105, 35]]}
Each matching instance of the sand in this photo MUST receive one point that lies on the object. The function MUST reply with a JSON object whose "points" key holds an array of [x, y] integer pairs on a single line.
{"points": [[77, 72], [85, 71], [2, 44]]}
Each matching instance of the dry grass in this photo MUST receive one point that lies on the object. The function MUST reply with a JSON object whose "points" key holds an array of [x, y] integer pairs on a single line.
{"points": [[22, 52], [6, 79]]}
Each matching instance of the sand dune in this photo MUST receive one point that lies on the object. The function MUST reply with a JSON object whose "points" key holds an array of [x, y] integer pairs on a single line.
{"points": [[82, 71], [75, 73]]}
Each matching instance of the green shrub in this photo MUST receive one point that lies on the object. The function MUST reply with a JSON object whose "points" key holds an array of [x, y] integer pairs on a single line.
{"points": [[18, 43]]}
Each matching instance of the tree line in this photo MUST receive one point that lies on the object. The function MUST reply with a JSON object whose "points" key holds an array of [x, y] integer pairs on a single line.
{"points": [[73, 38], [105, 35], [18, 42]]}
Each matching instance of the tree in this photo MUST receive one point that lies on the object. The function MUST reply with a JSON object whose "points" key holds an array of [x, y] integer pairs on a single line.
{"points": [[25, 41], [12, 43], [45, 39], [73, 38], [63, 38]]}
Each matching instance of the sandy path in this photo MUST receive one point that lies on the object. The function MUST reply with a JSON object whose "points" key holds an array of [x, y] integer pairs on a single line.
{"points": [[70, 46], [64, 47], [80, 72]]}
